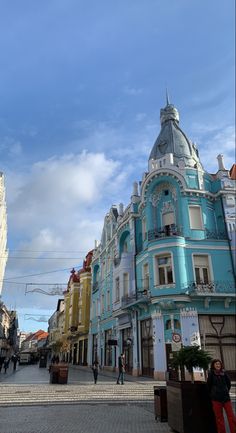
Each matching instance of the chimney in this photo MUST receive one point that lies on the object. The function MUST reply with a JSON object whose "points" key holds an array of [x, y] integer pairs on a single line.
{"points": [[221, 162]]}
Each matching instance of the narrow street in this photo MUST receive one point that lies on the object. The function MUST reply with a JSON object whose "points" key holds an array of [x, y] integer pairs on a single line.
{"points": [[30, 404]]}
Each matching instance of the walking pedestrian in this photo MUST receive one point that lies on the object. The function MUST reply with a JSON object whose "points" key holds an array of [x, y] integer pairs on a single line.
{"points": [[14, 360], [121, 365], [95, 370], [6, 364], [1, 362], [219, 385]]}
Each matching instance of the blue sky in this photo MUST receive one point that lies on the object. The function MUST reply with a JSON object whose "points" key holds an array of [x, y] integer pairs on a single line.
{"points": [[81, 87]]}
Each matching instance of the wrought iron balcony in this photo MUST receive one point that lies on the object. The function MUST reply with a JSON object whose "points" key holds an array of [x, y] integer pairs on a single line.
{"points": [[95, 286], [127, 299], [165, 231], [117, 261], [124, 255], [213, 234], [211, 287], [143, 296]]}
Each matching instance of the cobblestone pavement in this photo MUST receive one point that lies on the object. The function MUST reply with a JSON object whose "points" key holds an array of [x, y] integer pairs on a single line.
{"points": [[30, 385], [97, 418], [29, 404]]}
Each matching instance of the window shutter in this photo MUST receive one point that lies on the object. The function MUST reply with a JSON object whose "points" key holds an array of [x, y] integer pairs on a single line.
{"points": [[195, 216]]}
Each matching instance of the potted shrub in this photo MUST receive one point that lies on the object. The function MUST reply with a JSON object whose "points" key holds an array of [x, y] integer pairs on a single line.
{"points": [[191, 357], [188, 402]]}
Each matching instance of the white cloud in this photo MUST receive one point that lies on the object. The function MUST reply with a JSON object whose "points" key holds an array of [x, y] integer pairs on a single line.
{"points": [[54, 189], [214, 140], [55, 213]]}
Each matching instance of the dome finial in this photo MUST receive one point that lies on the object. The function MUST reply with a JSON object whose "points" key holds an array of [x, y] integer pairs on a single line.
{"points": [[167, 97]]}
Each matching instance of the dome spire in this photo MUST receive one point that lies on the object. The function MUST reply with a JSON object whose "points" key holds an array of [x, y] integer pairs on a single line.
{"points": [[167, 97], [172, 140]]}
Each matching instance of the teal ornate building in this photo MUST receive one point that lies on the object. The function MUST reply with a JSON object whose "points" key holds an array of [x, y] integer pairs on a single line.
{"points": [[163, 273]]}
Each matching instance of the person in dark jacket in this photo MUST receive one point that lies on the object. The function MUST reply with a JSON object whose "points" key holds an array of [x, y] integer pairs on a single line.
{"points": [[95, 370], [219, 385], [1, 362], [121, 365], [14, 360], [6, 364]]}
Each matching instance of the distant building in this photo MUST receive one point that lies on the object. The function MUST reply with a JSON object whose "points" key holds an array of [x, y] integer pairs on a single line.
{"points": [[3, 231], [33, 340], [8, 330], [21, 337], [76, 318], [56, 328]]}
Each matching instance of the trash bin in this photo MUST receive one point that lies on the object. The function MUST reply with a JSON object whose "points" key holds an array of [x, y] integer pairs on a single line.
{"points": [[63, 373], [54, 373], [58, 373], [160, 403], [43, 362]]}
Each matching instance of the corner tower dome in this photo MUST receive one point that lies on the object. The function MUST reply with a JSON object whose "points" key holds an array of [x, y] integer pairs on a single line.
{"points": [[172, 140]]}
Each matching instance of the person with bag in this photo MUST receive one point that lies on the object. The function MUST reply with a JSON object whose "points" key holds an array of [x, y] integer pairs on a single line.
{"points": [[121, 365], [219, 385], [95, 371]]}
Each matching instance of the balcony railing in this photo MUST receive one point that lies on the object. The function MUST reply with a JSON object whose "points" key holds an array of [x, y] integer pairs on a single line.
{"points": [[174, 230], [163, 232], [143, 296], [212, 234], [211, 287], [95, 286], [124, 255], [117, 261]]}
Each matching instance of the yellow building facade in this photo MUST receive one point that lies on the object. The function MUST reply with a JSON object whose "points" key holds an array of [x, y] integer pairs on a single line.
{"points": [[77, 314]]}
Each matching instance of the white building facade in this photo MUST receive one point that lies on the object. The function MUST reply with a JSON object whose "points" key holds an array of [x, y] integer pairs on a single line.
{"points": [[3, 231]]}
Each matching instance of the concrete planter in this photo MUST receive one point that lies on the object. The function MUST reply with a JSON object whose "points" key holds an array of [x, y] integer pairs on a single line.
{"points": [[189, 407]]}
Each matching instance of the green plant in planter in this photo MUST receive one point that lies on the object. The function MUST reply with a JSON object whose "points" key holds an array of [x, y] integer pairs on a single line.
{"points": [[191, 357], [56, 347]]}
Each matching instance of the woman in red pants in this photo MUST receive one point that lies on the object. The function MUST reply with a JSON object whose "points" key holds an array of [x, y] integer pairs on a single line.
{"points": [[219, 385]]}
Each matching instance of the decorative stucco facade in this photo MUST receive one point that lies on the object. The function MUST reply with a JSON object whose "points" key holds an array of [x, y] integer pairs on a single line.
{"points": [[163, 273], [77, 299]]}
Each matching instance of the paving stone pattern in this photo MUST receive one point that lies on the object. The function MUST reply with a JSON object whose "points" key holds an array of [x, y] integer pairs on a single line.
{"points": [[29, 404], [98, 418]]}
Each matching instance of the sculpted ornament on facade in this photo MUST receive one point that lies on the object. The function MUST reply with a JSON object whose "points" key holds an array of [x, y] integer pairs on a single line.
{"points": [[155, 197], [167, 207]]}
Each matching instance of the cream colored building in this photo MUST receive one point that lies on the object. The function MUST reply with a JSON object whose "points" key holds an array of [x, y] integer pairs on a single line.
{"points": [[3, 231], [77, 314]]}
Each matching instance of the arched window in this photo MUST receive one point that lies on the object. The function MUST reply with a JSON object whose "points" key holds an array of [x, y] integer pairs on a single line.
{"points": [[176, 324], [168, 324], [124, 244]]}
